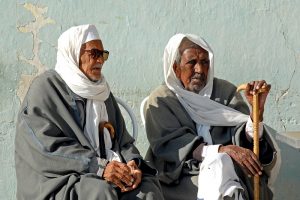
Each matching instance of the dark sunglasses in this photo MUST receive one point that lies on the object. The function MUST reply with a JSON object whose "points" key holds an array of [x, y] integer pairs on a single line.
{"points": [[96, 53]]}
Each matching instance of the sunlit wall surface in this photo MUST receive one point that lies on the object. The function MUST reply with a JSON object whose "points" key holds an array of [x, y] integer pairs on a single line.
{"points": [[251, 39]]}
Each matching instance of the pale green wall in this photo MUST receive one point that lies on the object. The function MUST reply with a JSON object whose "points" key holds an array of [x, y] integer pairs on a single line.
{"points": [[251, 39]]}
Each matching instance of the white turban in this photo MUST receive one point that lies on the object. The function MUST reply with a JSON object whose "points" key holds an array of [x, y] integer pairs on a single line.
{"points": [[67, 66], [200, 107]]}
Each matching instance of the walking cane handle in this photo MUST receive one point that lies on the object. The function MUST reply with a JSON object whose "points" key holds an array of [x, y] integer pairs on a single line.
{"points": [[109, 127], [264, 88]]}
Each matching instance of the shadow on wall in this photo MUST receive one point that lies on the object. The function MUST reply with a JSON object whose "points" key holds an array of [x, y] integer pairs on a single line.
{"points": [[287, 183]]}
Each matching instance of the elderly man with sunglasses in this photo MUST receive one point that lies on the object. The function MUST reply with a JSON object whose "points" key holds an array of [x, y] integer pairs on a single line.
{"points": [[200, 130], [71, 141]]}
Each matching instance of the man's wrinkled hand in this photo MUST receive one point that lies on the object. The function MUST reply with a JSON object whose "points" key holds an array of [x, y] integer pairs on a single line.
{"points": [[119, 174], [251, 89], [136, 173], [247, 160]]}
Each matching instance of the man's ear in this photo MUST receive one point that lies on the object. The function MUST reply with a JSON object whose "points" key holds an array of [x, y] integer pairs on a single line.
{"points": [[176, 69]]}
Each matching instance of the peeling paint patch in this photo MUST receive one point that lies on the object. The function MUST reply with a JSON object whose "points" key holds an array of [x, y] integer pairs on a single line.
{"points": [[24, 85], [33, 27]]}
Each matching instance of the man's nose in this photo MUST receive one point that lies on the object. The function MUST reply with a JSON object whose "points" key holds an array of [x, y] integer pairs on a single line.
{"points": [[100, 60], [199, 68]]}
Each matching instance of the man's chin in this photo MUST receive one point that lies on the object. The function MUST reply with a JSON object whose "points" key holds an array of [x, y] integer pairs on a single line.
{"points": [[196, 88], [95, 78]]}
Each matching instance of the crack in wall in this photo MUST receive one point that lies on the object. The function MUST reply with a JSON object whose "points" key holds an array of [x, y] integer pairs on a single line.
{"points": [[33, 27], [284, 92]]}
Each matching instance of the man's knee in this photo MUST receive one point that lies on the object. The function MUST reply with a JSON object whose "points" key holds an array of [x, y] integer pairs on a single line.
{"points": [[149, 189], [220, 163], [108, 191]]}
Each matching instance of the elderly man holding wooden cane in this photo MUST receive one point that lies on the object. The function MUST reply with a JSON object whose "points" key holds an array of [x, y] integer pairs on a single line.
{"points": [[71, 139], [201, 131]]}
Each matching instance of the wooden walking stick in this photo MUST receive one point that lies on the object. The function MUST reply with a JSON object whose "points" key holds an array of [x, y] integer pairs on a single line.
{"points": [[111, 131], [256, 120]]}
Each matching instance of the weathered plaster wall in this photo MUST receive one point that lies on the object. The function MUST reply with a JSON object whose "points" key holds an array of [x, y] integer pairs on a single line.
{"points": [[252, 39]]}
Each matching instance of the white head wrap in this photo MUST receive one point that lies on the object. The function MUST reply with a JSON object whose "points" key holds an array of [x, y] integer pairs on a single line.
{"points": [[204, 111], [67, 66]]}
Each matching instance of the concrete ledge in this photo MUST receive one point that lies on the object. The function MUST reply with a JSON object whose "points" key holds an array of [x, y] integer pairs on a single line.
{"points": [[290, 138]]}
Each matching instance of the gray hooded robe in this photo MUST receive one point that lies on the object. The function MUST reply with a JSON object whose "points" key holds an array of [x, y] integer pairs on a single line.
{"points": [[173, 138], [54, 159]]}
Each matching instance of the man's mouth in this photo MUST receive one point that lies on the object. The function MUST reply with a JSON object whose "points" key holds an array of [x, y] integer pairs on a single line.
{"points": [[199, 78], [97, 67]]}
